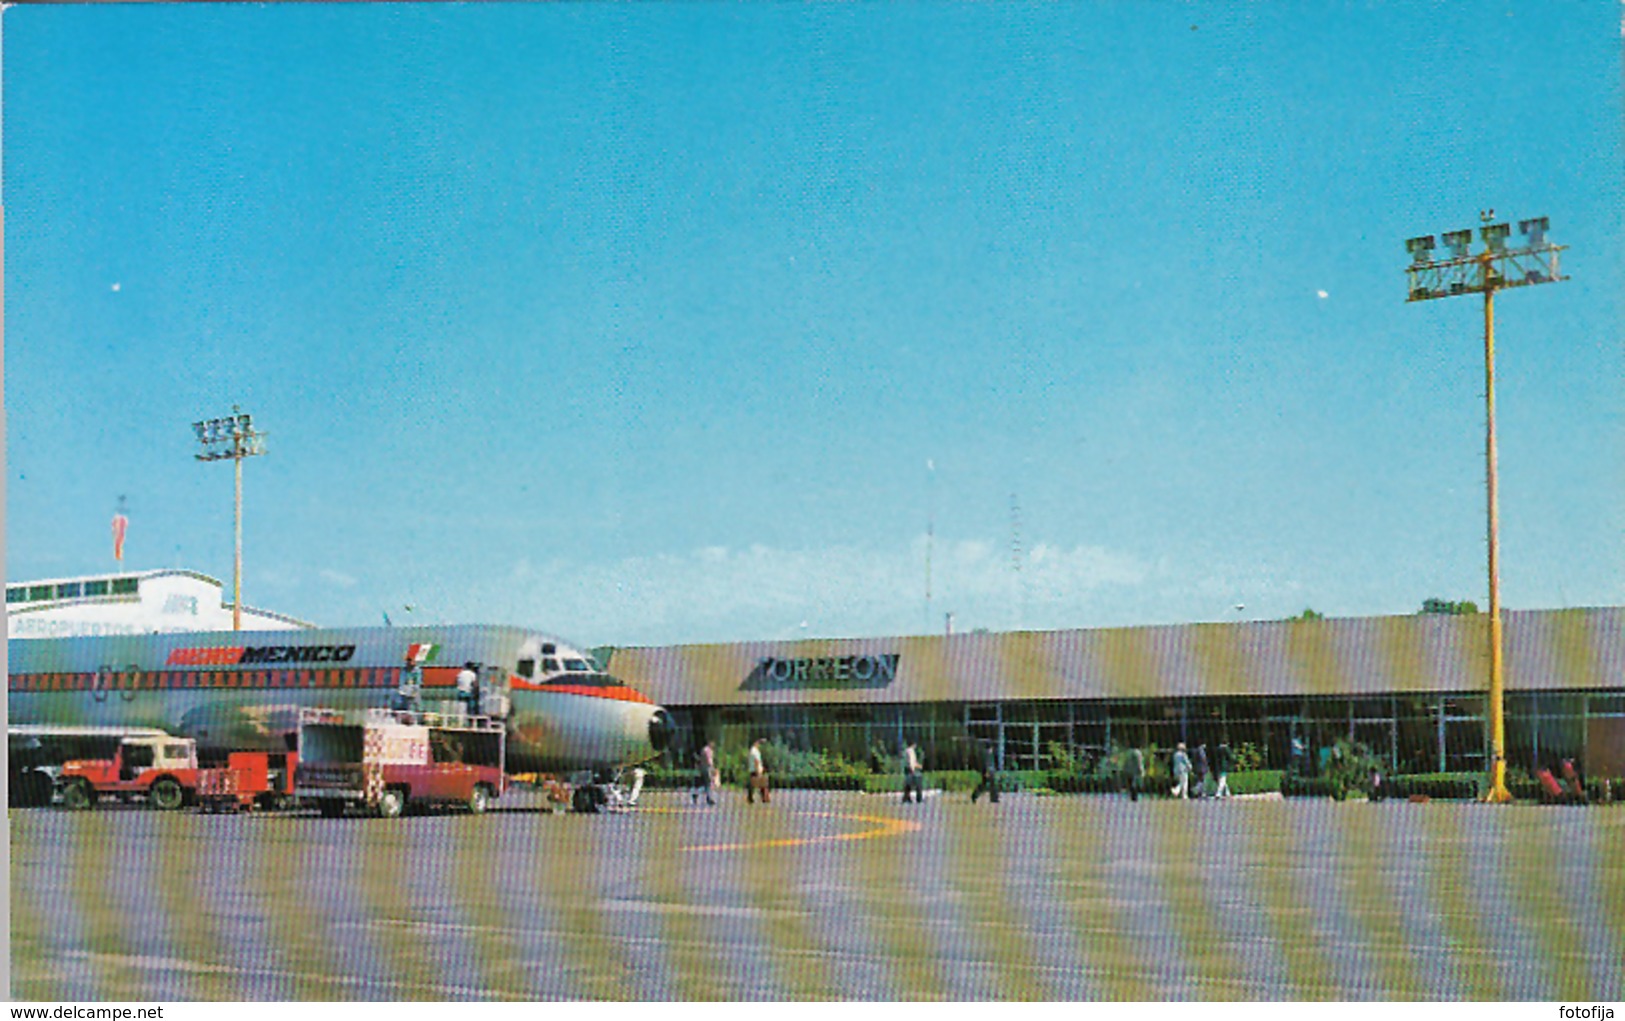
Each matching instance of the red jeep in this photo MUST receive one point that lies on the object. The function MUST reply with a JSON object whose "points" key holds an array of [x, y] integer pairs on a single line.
{"points": [[163, 770]]}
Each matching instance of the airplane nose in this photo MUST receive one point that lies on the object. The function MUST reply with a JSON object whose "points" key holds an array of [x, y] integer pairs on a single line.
{"points": [[661, 730]]}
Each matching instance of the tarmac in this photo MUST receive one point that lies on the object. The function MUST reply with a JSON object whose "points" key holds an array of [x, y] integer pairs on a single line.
{"points": [[826, 895]]}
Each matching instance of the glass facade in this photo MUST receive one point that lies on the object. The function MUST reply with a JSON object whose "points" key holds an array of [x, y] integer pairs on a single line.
{"points": [[1429, 733]]}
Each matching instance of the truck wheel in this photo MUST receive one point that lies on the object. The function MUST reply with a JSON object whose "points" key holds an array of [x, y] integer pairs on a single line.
{"points": [[479, 799], [78, 795], [331, 808], [391, 803], [583, 801], [166, 795]]}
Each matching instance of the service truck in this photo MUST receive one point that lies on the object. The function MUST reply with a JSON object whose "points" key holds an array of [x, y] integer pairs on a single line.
{"points": [[384, 761]]}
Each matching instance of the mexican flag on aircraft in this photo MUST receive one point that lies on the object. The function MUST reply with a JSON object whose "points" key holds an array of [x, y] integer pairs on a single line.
{"points": [[422, 652]]}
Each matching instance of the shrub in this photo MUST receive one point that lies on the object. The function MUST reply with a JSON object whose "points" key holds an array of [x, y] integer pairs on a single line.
{"points": [[1082, 783], [1256, 781], [1294, 785], [1349, 768], [954, 780], [1248, 758]]}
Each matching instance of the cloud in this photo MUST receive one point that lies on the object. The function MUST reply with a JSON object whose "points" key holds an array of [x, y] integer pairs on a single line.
{"points": [[338, 578]]}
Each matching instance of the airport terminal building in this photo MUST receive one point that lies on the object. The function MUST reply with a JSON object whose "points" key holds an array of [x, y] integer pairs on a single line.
{"points": [[130, 603], [1410, 688]]}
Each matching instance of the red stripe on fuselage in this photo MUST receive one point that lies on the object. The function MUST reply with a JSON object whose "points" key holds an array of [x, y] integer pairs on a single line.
{"points": [[616, 694]]}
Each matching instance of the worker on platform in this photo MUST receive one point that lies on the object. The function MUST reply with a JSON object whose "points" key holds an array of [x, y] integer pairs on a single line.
{"points": [[410, 687], [468, 686]]}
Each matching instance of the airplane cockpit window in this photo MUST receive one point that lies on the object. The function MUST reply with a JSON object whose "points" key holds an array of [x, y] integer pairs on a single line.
{"points": [[577, 665], [585, 680], [550, 666], [527, 668]]}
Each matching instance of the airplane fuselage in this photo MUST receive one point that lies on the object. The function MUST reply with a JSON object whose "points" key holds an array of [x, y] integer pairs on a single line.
{"points": [[242, 691]]}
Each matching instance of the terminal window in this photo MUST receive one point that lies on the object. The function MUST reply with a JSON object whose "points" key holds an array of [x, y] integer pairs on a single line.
{"points": [[124, 586], [96, 588], [16, 595], [42, 592]]}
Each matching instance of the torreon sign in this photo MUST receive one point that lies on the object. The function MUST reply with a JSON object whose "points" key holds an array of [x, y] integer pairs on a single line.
{"points": [[232, 655], [865, 671]]}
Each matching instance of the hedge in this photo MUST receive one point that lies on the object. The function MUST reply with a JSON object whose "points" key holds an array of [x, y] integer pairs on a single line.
{"points": [[1445, 786], [1256, 781]]}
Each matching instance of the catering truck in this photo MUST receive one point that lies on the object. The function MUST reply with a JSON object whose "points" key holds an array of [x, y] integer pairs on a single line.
{"points": [[384, 761]]}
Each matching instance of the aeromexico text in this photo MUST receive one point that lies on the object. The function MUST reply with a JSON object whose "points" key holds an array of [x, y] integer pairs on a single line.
{"points": [[232, 655], [861, 670]]}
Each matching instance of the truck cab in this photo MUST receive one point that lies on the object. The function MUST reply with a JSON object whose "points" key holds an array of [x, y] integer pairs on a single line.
{"points": [[161, 769]]}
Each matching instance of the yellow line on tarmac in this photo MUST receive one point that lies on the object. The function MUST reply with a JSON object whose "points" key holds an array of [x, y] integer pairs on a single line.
{"points": [[883, 828]]}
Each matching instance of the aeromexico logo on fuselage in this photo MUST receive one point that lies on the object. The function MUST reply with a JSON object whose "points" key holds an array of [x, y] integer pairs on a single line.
{"points": [[239, 654]]}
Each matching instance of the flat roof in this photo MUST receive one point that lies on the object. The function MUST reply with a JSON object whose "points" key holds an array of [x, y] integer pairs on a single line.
{"points": [[1545, 649]]}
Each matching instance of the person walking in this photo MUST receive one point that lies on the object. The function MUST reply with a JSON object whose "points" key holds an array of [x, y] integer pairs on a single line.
{"points": [[706, 781], [1222, 761], [1201, 771], [982, 762], [912, 780], [1182, 772], [1134, 772], [757, 781]]}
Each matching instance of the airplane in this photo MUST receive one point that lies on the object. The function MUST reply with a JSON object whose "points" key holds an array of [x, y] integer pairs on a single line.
{"points": [[242, 690]]}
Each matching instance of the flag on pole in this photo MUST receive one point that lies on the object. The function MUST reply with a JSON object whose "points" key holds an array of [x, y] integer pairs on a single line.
{"points": [[120, 525]]}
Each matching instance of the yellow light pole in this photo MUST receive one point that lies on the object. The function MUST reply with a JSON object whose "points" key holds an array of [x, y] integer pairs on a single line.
{"points": [[1493, 269], [232, 438]]}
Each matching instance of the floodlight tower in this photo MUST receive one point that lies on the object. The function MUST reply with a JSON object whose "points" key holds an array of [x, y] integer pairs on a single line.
{"points": [[232, 438], [1462, 272]]}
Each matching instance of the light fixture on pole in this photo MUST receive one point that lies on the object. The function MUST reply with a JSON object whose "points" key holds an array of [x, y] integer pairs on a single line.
{"points": [[231, 439], [1494, 269]]}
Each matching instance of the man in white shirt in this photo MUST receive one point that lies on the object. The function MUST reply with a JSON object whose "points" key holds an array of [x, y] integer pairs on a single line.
{"points": [[468, 680], [758, 774], [707, 780], [912, 780]]}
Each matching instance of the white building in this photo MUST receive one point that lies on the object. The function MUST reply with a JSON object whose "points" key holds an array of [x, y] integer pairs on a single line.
{"points": [[138, 603]]}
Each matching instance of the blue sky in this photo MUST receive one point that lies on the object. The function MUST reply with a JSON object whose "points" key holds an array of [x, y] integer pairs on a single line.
{"points": [[643, 324]]}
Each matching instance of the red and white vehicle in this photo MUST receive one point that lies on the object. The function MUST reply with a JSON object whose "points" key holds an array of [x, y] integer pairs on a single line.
{"points": [[247, 780], [384, 760], [161, 769]]}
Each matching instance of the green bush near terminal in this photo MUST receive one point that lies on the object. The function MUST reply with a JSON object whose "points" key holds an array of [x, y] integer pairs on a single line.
{"points": [[1432, 786]]}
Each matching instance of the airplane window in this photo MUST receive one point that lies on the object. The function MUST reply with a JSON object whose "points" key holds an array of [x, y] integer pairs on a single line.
{"points": [[550, 666], [527, 668], [585, 680]]}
